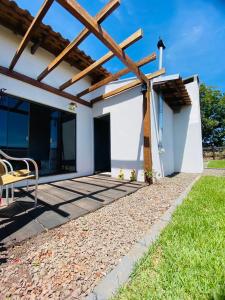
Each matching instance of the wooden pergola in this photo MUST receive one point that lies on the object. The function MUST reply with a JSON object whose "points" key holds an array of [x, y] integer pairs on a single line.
{"points": [[92, 25]]}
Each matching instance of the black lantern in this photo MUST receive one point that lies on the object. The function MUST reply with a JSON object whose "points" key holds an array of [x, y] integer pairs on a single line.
{"points": [[143, 88], [2, 93]]}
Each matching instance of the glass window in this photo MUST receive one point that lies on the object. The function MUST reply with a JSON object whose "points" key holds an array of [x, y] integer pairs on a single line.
{"points": [[68, 131], [54, 128], [18, 119], [3, 121], [45, 134]]}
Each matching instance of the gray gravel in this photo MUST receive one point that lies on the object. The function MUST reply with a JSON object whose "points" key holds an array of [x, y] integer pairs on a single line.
{"points": [[67, 262], [214, 172]]}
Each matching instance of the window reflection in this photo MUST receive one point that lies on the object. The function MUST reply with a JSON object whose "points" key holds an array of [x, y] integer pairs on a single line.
{"points": [[45, 134], [3, 121], [18, 119]]}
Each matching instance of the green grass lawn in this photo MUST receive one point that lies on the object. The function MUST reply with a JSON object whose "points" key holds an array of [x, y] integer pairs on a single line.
{"points": [[188, 260], [219, 164]]}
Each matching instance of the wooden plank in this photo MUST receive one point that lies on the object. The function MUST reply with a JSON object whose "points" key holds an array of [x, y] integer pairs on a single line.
{"points": [[129, 41], [126, 87], [147, 130], [78, 12], [117, 75], [100, 17], [41, 85], [40, 15]]}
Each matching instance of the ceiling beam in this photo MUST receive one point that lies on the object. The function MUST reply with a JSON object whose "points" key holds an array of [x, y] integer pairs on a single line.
{"points": [[41, 85], [128, 86], [129, 41], [100, 17], [117, 75], [88, 21], [36, 21]]}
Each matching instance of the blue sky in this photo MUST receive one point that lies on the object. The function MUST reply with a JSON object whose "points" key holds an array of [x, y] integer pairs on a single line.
{"points": [[193, 31]]}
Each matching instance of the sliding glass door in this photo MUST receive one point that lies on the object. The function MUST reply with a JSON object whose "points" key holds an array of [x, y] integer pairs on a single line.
{"points": [[68, 135], [14, 124], [43, 133]]}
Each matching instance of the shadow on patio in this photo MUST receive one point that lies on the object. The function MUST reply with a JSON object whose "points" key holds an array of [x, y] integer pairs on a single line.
{"points": [[59, 202]]}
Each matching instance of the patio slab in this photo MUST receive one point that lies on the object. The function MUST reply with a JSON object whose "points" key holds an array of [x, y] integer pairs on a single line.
{"points": [[50, 219], [59, 202]]}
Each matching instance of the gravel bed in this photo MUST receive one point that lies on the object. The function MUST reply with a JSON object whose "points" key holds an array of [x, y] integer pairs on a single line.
{"points": [[214, 172], [67, 262]]}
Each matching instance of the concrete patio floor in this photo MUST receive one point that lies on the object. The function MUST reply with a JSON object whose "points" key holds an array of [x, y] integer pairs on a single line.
{"points": [[59, 202]]}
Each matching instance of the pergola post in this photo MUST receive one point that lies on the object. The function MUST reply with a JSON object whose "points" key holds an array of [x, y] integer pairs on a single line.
{"points": [[147, 128]]}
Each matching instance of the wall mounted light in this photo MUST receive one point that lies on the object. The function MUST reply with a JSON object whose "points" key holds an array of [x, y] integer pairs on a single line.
{"points": [[72, 106], [143, 88], [2, 93]]}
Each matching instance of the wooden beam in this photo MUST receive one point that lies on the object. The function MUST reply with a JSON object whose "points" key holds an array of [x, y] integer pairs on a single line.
{"points": [[129, 41], [117, 75], [100, 17], [147, 130], [40, 15], [37, 44], [78, 12], [43, 86], [126, 87]]}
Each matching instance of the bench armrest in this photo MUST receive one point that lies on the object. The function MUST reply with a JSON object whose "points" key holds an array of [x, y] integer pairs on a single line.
{"points": [[24, 159]]}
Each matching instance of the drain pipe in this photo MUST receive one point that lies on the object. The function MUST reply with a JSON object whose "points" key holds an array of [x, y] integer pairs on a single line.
{"points": [[161, 47]]}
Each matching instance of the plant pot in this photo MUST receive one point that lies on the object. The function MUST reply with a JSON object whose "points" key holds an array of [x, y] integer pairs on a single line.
{"points": [[148, 180]]}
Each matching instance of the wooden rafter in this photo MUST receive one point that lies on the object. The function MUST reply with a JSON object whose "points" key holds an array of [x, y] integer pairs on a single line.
{"points": [[41, 85], [81, 14], [174, 92], [100, 17], [40, 15], [117, 75], [129, 41], [126, 87]]}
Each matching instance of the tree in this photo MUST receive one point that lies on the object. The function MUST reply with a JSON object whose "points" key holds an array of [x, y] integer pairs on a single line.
{"points": [[212, 103]]}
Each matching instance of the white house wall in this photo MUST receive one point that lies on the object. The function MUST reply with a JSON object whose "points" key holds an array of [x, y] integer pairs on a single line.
{"points": [[156, 158], [32, 65], [181, 138], [187, 134], [126, 115], [163, 163], [167, 141]]}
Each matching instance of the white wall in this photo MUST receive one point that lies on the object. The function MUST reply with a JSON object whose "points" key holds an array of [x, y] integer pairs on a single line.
{"points": [[32, 65], [156, 157], [181, 139], [126, 114], [163, 163], [187, 134], [168, 141]]}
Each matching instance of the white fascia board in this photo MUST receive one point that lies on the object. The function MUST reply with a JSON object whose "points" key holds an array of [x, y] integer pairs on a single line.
{"points": [[157, 79], [166, 78]]}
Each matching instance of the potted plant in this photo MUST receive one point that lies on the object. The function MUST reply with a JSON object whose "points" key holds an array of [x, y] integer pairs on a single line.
{"points": [[133, 175], [121, 174], [148, 176]]}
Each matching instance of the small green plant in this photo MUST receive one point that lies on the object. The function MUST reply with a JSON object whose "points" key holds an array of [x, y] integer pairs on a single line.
{"points": [[121, 174], [133, 176], [148, 175]]}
